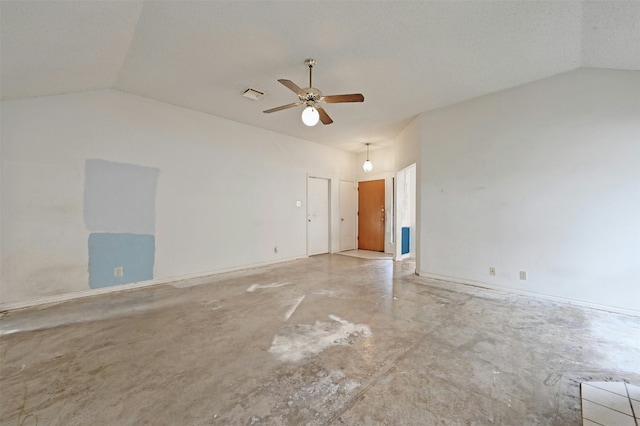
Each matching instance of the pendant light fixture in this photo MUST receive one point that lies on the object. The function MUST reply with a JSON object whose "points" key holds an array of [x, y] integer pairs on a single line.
{"points": [[367, 166]]}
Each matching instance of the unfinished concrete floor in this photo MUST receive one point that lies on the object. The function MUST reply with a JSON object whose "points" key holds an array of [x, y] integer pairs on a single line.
{"points": [[326, 340]]}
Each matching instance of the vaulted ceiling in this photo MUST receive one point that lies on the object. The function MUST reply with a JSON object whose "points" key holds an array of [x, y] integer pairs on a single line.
{"points": [[406, 57]]}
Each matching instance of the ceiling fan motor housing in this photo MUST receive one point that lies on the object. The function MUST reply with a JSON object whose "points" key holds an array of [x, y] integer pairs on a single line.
{"points": [[313, 95]]}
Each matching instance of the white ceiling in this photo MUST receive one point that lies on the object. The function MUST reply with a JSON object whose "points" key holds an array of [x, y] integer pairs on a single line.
{"points": [[406, 57]]}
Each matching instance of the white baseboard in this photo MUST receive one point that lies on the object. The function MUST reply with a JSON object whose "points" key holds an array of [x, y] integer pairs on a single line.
{"points": [[454, 280], [10, 306], [582, 303]]}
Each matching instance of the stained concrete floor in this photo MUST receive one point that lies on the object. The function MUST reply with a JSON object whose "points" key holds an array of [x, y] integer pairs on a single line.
{"points": [[325, 340]]}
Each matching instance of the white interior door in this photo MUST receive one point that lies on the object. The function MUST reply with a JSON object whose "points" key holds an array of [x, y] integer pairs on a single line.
{"points": [[317, 216], [348, 196]]}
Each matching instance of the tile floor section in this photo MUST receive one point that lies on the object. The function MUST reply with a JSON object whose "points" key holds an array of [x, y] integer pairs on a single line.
{"points": [[610, 404]]}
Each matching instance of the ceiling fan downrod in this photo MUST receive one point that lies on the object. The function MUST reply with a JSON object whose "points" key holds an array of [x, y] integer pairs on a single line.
{"points": [[310, 63]]}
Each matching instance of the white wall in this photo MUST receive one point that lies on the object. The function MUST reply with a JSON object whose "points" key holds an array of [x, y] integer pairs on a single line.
{"points": [[383, 160], [226, 193], [408, 145], [545, 178], [2, 190]]}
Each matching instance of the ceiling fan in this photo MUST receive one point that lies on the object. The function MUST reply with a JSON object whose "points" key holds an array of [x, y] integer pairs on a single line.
{"points": [[312, 97]]}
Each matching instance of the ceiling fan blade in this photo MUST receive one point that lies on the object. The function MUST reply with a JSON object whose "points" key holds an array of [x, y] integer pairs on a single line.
{"points": [[324, 117], [293, 87], [280, 108], [354, 97]]}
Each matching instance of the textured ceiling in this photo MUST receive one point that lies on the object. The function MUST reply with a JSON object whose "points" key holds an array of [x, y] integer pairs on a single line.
{"points": [[405, 57]]}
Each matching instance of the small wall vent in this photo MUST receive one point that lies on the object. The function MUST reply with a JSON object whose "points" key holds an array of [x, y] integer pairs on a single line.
{"points": [[254, 94]]}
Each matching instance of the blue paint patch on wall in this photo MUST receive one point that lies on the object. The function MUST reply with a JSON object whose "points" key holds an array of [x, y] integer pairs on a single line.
{"points": [[133, 252], [119, 197], [119, 210]]}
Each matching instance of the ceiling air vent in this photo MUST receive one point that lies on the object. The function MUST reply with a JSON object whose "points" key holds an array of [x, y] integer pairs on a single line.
{"points": [[254, 94]]}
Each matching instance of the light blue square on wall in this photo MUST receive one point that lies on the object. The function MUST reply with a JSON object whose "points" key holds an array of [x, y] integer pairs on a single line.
{"points": [[119, 211], [133, 253], [120, 197]]}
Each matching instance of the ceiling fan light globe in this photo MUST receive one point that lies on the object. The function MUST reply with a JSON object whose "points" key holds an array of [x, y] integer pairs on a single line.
{"points": [[367, 166], [310, 116]]}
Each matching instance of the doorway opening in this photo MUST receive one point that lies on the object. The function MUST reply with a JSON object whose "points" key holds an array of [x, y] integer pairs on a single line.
{"points": [[405, 228]]}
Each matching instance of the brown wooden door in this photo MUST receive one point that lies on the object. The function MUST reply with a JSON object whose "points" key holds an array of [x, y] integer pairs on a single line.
{"points": [[371, 215]]}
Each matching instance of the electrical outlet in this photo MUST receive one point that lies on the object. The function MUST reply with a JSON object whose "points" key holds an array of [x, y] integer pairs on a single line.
{"points": [[118, 272], [275, 249], [492, 270], [523, 275]]}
